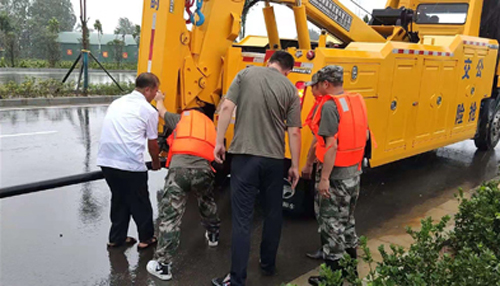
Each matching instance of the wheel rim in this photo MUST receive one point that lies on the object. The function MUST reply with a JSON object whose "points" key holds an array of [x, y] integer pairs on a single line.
{"points": [[495, 127]]}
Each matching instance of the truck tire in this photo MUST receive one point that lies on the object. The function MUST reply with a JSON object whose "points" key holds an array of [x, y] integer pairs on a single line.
{"points": [[488, 133]]}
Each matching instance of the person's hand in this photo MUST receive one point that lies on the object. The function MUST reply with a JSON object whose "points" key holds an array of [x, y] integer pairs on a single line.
{"points": [[307, 171], [293, 176], [155, 165], [220, 153], [324, 188], [159, 97]]}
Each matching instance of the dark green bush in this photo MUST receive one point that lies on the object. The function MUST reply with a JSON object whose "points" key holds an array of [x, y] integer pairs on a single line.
{"points": [[40, 64], [465, 256], [32, 88]]}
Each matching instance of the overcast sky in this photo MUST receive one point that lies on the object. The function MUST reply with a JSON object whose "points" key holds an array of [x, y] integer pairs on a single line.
{"points": [[108, 12]]}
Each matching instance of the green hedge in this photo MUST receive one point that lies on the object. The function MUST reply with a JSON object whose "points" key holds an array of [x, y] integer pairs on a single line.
{"points": [[467, 255], [40, 64], [32, 88]]}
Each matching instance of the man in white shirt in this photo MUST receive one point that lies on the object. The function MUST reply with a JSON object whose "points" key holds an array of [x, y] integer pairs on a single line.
{"points": [[130, 122]]}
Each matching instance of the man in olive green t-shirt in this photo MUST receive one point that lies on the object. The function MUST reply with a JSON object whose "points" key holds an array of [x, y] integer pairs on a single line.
{"points": [[268, 105]]}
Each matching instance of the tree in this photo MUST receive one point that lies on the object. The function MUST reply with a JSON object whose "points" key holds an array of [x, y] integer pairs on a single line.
{"points": [[366, 19], [83, 21], [9, 38], [18, 11], [52, 47], [125, 27], [30, 17], [44, 10], [98, 28], [117, 46], [246, 8], [313, 35], [137, 34]]}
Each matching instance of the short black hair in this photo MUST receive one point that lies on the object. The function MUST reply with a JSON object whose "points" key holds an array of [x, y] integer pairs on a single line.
{"points": [[147, 79], [283, 59]]}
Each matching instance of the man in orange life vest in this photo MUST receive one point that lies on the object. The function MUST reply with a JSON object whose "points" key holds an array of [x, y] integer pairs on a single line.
{"points": [[340, 126], [189, 161]]}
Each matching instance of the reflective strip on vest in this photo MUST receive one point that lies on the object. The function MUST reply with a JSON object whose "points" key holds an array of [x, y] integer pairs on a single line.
{"points": [[352, 131], [195, 135]]}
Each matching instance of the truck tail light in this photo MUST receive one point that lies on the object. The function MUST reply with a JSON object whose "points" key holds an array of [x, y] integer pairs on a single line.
{"points": [[301, 88]]}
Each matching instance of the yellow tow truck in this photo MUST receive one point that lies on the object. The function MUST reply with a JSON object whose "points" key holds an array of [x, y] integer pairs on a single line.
{"points": [[428, 69]]}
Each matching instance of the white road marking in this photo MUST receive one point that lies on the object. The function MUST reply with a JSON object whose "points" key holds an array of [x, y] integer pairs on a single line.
{"points": [[28, 134]]}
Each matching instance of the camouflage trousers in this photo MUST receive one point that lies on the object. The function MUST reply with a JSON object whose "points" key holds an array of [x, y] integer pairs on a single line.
{"points": [[335, 216], [178, 183]]}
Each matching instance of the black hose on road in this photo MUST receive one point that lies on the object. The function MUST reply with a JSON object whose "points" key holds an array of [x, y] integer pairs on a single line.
{"points": [[55, 183]]}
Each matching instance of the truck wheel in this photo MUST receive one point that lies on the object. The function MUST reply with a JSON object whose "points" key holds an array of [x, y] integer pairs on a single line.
{"points": [[488, 133]]}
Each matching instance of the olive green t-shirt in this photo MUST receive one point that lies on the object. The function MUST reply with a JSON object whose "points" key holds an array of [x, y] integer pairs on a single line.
{"points": [[267, 103], [328, 127], [183, 161]]}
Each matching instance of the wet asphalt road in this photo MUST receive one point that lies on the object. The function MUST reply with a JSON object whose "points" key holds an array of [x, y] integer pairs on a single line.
{"points": [[58, 237]]}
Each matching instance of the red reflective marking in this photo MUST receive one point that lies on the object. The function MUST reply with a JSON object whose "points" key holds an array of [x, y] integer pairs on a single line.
{"points": [[151, 44], [269, 54]]}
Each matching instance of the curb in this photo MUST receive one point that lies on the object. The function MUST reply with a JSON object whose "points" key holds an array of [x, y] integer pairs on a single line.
{"points": [[22, 102]]}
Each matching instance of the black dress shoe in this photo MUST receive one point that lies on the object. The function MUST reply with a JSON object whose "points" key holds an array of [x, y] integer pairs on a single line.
{"points": [[267, 270], [316, 255]]}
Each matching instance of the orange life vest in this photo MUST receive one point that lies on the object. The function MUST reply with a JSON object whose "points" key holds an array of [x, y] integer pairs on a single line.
{"points": [[352, 132], [194, 135]]}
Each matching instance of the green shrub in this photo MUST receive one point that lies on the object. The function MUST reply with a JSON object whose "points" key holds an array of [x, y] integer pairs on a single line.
{"points": [[467, 255], [32, 87], [477, 224], [40, 64]]}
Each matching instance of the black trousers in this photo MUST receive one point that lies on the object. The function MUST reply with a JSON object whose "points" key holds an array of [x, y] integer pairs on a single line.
{"points": [[129, 197], [249, 175]]}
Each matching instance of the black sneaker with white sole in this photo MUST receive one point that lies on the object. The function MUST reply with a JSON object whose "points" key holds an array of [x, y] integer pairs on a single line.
{"points": [[212, 238], [160, 270], [222, 281]]}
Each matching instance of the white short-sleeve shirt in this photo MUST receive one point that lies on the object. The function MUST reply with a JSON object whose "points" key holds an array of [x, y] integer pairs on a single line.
{"points": [[129, 122]]}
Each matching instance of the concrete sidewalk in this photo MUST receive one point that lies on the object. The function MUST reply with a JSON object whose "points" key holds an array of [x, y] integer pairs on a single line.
{"points": [[54, 101], [393, 231]]}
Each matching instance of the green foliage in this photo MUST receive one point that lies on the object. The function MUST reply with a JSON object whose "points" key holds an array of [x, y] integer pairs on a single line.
{"points": [[9, 37], [44, 10], [51, 46], [125, 27], [117, 47], [33, 88], [467, 255], [40, 64], [30, 17], [137, 34], [477, 224]]}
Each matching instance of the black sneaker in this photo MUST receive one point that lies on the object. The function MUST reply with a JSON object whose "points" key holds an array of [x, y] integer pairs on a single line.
{"points": [[316, 280], [160, 270], [212, 238], [223, 281]]}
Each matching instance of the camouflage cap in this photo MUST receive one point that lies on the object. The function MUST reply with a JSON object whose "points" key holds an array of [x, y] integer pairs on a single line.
{"points": [[331, 73]]}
